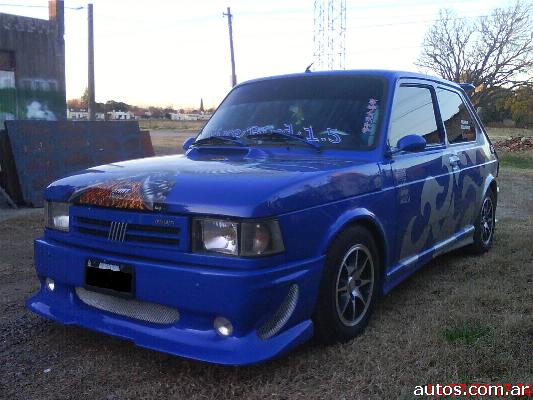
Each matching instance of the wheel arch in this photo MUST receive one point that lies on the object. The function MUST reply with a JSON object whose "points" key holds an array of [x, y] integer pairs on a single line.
{"points": [[490, 184], [365, 218]]}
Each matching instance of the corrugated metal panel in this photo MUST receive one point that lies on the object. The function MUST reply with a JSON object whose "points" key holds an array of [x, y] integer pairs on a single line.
{"points": [[47, 150]]}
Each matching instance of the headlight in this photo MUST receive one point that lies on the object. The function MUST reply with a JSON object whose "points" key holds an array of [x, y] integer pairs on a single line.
{"points": [[216, 235], [248, 239], [261, 238], [56, 215]]}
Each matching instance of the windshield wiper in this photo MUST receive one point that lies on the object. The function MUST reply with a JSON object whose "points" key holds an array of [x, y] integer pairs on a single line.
{"points": [[287, 136], [223, 139]]}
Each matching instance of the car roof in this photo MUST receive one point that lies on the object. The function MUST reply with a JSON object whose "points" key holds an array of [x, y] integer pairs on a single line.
{"points": [[390, 75]]}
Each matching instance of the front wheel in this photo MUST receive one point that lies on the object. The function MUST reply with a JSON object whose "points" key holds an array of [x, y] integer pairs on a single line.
{"points": [[485, 224], [349, 287]]}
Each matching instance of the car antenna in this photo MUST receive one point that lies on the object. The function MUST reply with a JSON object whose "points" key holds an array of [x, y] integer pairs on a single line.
{"points": [[308, 69]]}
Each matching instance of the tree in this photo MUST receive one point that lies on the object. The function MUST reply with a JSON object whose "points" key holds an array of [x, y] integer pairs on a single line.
{"points": [[521, 106], [156, 112], [112, 105], [73, 104], [84, 99], [490, 52], [497, 109]]}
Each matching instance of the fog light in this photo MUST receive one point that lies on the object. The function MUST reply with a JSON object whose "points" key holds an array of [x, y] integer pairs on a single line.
{"points": [[223, 326], [50, 284]]}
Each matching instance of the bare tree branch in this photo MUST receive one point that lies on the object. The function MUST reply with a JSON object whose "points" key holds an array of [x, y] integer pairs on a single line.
{"points": [[490, 52]]}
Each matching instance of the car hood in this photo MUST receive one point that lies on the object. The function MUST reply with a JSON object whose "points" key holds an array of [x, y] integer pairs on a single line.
{"points": [[252, 184]]}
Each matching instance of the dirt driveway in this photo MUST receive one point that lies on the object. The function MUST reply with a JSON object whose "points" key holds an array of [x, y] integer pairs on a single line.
{"points": [[461, 319]]}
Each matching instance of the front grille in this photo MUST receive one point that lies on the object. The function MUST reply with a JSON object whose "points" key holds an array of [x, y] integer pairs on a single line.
{"points": [[128, 227], [124, 232], [143, 311], [281, 316]]}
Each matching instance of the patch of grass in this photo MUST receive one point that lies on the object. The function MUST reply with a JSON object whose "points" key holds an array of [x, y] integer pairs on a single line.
{"points": [[516, 160], [467, 333], [464, 376], [166, 124]]}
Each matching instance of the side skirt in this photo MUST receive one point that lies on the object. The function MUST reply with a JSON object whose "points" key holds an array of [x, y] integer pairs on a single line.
{"points": [[407, 266]]}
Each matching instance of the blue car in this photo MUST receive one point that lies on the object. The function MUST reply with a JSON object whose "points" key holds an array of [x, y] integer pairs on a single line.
{"points": [[302, 200]]}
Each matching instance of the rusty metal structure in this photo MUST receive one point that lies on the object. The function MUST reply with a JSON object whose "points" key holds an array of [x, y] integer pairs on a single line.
{"points": [[39, 152]]}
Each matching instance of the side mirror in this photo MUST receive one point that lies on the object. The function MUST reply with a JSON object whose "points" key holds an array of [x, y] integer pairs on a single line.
{"points": [[411, 143], [187, 144]]}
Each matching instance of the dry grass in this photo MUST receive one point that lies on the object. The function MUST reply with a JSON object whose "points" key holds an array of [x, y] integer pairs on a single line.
{"points": [[169, 142], [503, 133], [460, 319], [165, 124]]}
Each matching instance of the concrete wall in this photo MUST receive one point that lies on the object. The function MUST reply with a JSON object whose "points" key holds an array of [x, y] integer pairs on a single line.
{"points": [[33, 51]]}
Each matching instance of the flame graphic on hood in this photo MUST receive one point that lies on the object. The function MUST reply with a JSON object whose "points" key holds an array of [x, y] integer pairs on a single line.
{"points": [[139, 192]]}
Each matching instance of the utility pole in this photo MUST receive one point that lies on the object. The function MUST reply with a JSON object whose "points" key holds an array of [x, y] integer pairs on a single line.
{"points": [[90, 87], [233, 76]]}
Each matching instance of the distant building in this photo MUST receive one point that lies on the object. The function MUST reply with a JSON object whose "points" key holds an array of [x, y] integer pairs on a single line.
{"points": [[32, 66], [183, 117], [83, 115], [120, 115], [189, 117], [142, 114]]}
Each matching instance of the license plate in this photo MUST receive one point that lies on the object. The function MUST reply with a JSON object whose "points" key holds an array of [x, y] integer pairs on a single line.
{"points": [[112, 278]]}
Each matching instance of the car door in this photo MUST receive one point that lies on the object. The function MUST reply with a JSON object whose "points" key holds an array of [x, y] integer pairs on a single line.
{"points": [[423, 180], [462, 134]]}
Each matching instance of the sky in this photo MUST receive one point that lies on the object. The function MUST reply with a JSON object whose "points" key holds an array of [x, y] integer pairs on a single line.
{"points": [[173, 53]]}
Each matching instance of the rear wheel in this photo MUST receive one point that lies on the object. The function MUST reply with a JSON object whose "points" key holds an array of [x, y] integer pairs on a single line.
{"points": [[349, 287], [485, 224]]}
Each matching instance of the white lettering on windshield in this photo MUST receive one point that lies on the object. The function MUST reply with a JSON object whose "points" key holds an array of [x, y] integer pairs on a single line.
{"points": [[330, 135]]}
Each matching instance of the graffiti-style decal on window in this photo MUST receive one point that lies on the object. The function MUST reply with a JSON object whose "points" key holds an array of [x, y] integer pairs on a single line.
{"points": [[371, 118], [331, 135]]}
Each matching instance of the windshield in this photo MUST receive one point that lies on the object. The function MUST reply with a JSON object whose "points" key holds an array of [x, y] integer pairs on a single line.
{"points": [[335, 112]]}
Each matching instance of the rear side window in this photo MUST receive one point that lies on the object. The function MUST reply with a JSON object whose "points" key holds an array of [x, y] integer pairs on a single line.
{"points": [[413, 114], [458, 122]]}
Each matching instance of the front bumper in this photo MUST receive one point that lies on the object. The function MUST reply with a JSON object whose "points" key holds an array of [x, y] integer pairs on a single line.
{"points": [[247, 298]]}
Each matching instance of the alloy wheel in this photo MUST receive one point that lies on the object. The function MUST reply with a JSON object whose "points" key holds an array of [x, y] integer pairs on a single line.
{"points": [[355, 284], [487, 220]]}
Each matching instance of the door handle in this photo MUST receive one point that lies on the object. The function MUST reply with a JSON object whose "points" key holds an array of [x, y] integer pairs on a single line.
{"points": [[454, 161]]}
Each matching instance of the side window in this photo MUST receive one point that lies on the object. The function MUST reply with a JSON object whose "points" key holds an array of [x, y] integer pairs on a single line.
{"points": [[458, 122], [413, 114]]}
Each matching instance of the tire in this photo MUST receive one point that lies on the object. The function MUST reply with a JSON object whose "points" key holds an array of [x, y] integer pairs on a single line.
{"points": [[485, 224], [347, 295]]}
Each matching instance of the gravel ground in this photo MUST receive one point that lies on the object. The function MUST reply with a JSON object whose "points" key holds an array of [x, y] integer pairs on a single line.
{"points": [[416, 336]]}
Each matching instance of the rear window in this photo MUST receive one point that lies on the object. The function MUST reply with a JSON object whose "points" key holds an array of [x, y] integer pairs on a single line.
{"points": [[458, 122], [337, 112]]}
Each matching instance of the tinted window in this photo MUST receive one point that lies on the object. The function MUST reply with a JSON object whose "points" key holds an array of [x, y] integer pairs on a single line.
{"points": [[413, 114], [341, 112], [457, 120]]}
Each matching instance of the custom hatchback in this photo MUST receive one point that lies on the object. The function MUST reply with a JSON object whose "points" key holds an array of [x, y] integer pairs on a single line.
{"points": [[303, 199]]}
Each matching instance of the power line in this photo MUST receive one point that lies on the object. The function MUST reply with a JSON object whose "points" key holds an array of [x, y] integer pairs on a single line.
{"points": [[416, 22], [403, 4], [38, 6], [357, 7], [173, 24]]}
